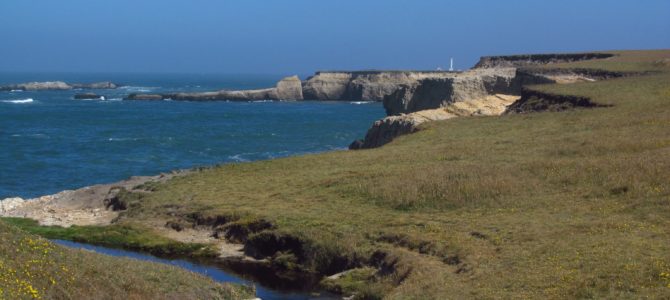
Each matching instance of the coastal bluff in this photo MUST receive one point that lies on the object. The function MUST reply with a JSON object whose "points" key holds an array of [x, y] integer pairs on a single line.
{"points": [[494, 86]]}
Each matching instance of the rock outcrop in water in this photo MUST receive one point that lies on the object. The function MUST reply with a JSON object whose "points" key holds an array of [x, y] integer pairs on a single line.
{"points": [[88, 96], [57, 85], [289, 88]]}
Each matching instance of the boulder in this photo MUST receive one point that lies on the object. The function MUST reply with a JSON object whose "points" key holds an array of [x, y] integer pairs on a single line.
{"points": [[88, 96], [145, 97]]}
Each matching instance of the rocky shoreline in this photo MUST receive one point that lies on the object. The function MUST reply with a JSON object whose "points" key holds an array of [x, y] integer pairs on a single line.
{"points": [[91, 205]]}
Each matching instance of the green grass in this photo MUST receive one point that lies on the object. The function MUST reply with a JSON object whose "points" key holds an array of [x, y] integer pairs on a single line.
{"points": [[574, 204], [119, 236], [34, 268]]}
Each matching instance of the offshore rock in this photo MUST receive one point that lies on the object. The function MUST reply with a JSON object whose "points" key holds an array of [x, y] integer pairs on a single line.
{"points": [[88, 96], [289, 88], [58, 85]]}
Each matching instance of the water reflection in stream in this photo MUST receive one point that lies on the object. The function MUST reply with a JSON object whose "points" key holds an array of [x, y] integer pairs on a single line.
{"points": [[213, 272]]}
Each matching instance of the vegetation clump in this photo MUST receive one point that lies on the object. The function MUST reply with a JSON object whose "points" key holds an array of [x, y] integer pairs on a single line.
{"points": [[34, 268]]}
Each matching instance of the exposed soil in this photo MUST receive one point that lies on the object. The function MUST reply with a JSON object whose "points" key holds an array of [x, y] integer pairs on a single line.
{"points": [[535, 101]]}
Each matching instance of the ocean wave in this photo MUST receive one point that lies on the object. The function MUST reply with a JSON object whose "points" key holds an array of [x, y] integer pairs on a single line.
{"points": [[122, 139], [33, 135], [19, 101], [16, 91], [361, 102], [238, 158], [101, 98], [262, 101]]}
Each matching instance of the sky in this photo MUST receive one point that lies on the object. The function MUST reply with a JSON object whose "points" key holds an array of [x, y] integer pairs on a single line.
{"points": [[302, 36]]}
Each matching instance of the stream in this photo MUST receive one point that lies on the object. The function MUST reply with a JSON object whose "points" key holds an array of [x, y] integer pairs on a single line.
{"points": [[215, 273]]}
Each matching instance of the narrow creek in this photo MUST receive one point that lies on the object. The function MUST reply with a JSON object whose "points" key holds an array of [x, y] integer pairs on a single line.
{"points": [[213, 272]]}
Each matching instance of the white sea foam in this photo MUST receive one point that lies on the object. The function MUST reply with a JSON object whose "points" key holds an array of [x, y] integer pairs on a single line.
{"points": [[16, 91], [262, 101], [19, 101], [101, 98], [122, 139], [32, 135], [237, 158], [361, 102]]}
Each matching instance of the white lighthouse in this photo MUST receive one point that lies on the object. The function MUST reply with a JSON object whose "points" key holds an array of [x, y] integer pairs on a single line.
{"points": [[451, 65]]}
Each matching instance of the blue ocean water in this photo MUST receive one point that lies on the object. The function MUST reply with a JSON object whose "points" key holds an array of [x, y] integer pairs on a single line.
{"points": [[50, 142]]}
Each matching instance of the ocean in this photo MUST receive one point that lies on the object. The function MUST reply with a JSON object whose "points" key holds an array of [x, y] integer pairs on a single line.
{"points": [[50, 142]]}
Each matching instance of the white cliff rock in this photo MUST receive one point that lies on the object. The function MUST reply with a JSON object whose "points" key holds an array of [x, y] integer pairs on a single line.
{"points": [[10, 204], [385, 130]]}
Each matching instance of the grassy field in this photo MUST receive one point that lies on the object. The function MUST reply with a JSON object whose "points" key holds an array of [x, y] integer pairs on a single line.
{"points": [[128, 237], [573, 204], [34, 268]]}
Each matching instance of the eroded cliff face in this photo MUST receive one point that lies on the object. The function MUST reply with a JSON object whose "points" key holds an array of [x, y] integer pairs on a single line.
{"points": [[431, 93], [326, 86], [385, 130], [362, 85]]}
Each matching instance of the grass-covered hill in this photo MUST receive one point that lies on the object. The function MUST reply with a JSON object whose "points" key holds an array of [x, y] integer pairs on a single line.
{"points": [[571, 204], [34, 268]]}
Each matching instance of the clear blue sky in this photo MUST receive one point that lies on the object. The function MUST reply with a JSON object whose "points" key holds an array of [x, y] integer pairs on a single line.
{"points": [[285, 37]]}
